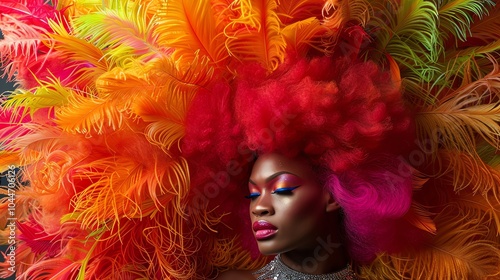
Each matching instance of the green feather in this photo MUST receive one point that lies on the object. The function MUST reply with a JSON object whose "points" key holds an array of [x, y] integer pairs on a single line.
{"points": [[456, 16]]}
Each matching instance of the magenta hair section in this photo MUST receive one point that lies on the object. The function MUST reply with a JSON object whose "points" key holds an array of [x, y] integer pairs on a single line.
{"points": [[375, 198]]}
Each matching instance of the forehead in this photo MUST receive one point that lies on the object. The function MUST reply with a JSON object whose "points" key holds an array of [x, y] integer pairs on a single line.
{"points": [[269, 164]]}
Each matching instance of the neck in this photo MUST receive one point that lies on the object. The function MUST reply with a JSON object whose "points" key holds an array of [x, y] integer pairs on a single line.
{"points": [[327, 257]]}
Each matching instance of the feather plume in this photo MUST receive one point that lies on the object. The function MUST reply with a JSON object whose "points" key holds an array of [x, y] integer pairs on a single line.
{"points": [[85, 57], [87, 115], [456, 120], [459, 251], [456, 16], [489, 154], [293, 11], [125, 26], [164, 108], [300, 36], [7, 159], [466, 171], [338, 12], [49, 94], [19, 47], [119, 185], [256, 34], [487, 28], [408, 31], [55, 268], [189, 27]]}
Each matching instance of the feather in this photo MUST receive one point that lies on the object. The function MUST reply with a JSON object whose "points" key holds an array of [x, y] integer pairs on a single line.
{"points": [[466, 171], [256, 35], [469, 64], [456, 16], [19, 47], [337, 12], [456, 120], [188, 27], [88, 115], [49, 94], [293, 11], [459, 251], [302, 35], [419, 215], [165, 107], [408, 31], [489, 154], [85, 56], [75, 8], [8, 159], [121, 184], [55, 268], [166, 127], [487, 28], [116, 91], [127, 25]]}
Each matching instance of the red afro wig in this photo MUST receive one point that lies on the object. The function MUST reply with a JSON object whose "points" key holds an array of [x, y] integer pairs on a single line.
{"points": [[341, 115]]}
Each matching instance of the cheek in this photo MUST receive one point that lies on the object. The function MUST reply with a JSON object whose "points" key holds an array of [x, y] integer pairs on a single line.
{"points": [[302, 211]]}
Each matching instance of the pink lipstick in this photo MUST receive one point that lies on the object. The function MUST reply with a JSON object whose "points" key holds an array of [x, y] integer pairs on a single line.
{"points": [[264, 230]]}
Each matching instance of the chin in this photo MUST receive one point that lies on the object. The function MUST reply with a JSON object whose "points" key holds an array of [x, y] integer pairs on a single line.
{"points": [[267, 248]]}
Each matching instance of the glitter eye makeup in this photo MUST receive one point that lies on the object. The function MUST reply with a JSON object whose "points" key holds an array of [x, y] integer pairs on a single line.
{"points": [[285, 183], [285, 190], [280, 183]]}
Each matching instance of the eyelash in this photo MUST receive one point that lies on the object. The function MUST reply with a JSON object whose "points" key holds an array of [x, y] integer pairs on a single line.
{"points": [[282, 191]]}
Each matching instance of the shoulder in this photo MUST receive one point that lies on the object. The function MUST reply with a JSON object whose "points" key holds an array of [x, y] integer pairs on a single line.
{"points": [[236, 275]]}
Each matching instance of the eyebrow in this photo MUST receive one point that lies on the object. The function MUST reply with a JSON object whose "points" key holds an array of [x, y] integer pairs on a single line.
{"points": [[270, 178]]}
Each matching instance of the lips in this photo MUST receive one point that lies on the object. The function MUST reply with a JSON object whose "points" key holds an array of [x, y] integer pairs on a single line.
{"points": [[264, 230]]}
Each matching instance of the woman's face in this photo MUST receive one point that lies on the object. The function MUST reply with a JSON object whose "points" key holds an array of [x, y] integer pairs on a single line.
{"points": [[288, 208]]}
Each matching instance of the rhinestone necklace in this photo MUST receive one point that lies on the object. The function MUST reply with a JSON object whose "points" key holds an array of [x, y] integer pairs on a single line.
{"points": [[277, 270]]}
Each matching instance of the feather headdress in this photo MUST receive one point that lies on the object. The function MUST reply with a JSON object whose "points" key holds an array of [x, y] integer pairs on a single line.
{"points": [[134, 124]]}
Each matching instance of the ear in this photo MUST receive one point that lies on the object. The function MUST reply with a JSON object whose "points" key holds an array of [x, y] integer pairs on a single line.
{"points": [[331, 204]]}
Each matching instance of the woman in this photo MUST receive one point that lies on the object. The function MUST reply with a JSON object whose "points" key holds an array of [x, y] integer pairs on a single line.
{"points": [[295, 218]]}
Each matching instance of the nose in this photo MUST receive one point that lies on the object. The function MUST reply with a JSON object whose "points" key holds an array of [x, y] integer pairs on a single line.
{"points": [[262, 206]]}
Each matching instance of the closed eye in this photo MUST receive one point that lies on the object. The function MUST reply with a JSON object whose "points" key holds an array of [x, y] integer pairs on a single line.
{"points": [[285, 190], [252, 195]]}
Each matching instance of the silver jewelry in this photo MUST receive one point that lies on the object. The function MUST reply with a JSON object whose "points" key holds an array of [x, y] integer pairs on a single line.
{"points": [[277, 270]]}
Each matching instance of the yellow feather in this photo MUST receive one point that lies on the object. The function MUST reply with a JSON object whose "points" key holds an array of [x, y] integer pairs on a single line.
{"points": [[49, 94], [256, 35], [302, 35], [80, 51]]}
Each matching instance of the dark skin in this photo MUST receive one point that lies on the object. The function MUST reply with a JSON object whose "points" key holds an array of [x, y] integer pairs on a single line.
{"points": [[286, 194]]}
